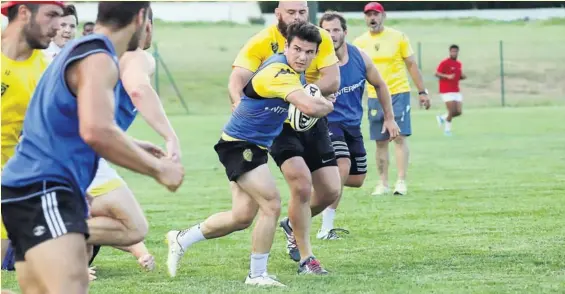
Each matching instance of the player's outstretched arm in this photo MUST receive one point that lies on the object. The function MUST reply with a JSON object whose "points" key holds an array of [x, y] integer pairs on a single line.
{"points": [[93, 80], [137, 67], [375, 79], [311, 106]]}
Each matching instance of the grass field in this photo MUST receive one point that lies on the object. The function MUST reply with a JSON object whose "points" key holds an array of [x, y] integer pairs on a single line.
{"points": [[484, 212]]}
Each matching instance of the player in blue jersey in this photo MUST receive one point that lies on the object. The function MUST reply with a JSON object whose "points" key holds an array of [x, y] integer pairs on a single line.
{"points": [[242, 149], [70, 124], [344, 122]]}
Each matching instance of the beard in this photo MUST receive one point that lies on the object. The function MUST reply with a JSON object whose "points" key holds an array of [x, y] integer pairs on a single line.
{"points": [[32, 34], [134, 41], [339, 43]]}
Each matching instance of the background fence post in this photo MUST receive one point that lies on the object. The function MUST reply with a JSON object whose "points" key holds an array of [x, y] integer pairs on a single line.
{"points": [[156, 75], [502, 90], [420, 55], [313, 12]]}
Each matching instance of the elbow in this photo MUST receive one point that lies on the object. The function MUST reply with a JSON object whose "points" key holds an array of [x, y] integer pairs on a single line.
{"points": [[94, 135], [334, 86]]}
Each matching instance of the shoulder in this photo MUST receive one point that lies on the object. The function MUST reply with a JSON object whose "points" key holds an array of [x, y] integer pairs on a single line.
{"points": [[277, 69], [263, 37], [362, 39], [395, 34]]}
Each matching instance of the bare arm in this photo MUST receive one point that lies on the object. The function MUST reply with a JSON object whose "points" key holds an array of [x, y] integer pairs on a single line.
{"points": [[314, 107], [463, 76], [414, 71], [330, 79], [93, 80], [137, 68], [375, 79], [443, 76], [238, 78]]}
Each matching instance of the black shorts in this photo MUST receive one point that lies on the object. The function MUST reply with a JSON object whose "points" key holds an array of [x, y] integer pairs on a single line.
{"points": [[53, 210], [348, 143], [240, 157], [313, 145]]}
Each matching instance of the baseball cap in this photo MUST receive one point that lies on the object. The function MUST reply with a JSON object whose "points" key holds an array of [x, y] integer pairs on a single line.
{"points": [[6, 5], [374, 6]]}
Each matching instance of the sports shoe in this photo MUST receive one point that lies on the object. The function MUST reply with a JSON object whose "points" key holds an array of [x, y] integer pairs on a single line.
{"points": [[400, 188], [380, 189], [263, 280], [175, 252], [440, 120], [311, 266], [291, 247], [330, 234]]}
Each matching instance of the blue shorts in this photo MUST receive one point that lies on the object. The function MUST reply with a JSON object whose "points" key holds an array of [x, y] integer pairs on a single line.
{"points": [[348, 143], [401, 108]]}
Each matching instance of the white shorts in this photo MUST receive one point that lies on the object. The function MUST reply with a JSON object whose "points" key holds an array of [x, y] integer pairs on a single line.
{"points": [[453, 96], [105, 180]]}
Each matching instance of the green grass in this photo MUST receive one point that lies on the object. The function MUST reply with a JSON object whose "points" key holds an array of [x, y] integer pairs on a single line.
{"points": [[484, 215], [485, 209]]}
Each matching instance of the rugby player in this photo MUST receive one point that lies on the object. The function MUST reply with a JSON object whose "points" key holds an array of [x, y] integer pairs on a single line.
{"points": [[242, 149], [30, 29], [450, 72], [306, 159], [392, 54], [87, 28], [112, 198], [67, 31], [44, 183], [344, 122]]}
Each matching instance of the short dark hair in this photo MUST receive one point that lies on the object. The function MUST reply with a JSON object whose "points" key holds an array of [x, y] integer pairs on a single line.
{"points": [[119, 14], [88, 23], [13, 11], [331, 15], [150, 15], [453, 47], [70, 10], [304, 31]]}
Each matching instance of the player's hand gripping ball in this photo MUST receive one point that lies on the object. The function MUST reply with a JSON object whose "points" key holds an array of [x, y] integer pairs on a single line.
{"points": [[299, 121]]}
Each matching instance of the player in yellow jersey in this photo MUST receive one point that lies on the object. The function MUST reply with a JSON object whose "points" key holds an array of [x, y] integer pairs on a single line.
{"points": [[392, 54], [30, 29], [307, 159]]}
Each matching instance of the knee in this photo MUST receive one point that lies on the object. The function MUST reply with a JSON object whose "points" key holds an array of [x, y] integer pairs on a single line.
{"points": [[137, 231], [382, 145], [400, 140], [272, 206], [457, 113], [355, 181], [300, 186], [329, 194]]}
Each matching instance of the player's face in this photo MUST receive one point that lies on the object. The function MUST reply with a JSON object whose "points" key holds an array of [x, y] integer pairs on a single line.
{"points": [[138, 38], [67, 30], [290, 12], [300, 53], [42, 26], [336, 31], [374, 20], [88, 30], [453, 53]]}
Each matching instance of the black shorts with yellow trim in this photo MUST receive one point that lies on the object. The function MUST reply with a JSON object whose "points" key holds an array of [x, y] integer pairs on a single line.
{"points": [[239, 157]]}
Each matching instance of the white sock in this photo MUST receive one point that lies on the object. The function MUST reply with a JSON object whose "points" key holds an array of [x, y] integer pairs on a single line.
{"points": [[328, 216], [444, 117], [258, 264], [190, 236]]}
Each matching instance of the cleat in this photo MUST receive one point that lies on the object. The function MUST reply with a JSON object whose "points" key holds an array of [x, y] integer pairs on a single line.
{"points": [[311, 266], [291, 247], [330, 234], [175, 252], [380, 190], [400, 188], [263, 280]]}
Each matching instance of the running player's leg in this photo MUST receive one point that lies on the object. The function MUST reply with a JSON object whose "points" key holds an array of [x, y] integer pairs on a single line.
{"points": [[402, 116], [453, 105], [48, 232], [253, 190], [117, 218], [376, 121]]}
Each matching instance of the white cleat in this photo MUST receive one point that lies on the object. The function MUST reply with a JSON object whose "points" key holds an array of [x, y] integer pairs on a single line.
{"points": [[400, 188], [263, 280], [175, 252], [380, 190], [330, 234], [440, 120]]}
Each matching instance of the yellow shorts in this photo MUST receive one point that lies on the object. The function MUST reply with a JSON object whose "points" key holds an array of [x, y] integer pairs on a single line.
{"points": [[106, 180]]}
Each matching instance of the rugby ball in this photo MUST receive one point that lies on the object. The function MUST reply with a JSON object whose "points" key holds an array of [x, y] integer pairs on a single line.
{"points": [[299, 121]]}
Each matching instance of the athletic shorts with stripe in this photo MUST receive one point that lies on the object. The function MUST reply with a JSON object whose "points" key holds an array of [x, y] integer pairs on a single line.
{"points": [[41, 212], [348, 143]]}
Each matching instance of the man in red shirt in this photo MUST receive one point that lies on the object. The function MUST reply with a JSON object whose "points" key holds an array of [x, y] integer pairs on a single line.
{"points": [[450, 72]]}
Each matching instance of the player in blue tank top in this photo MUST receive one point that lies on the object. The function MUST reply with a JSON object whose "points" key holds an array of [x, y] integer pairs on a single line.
{"points": [[356, 68], [70, 123], [242, 149]]}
